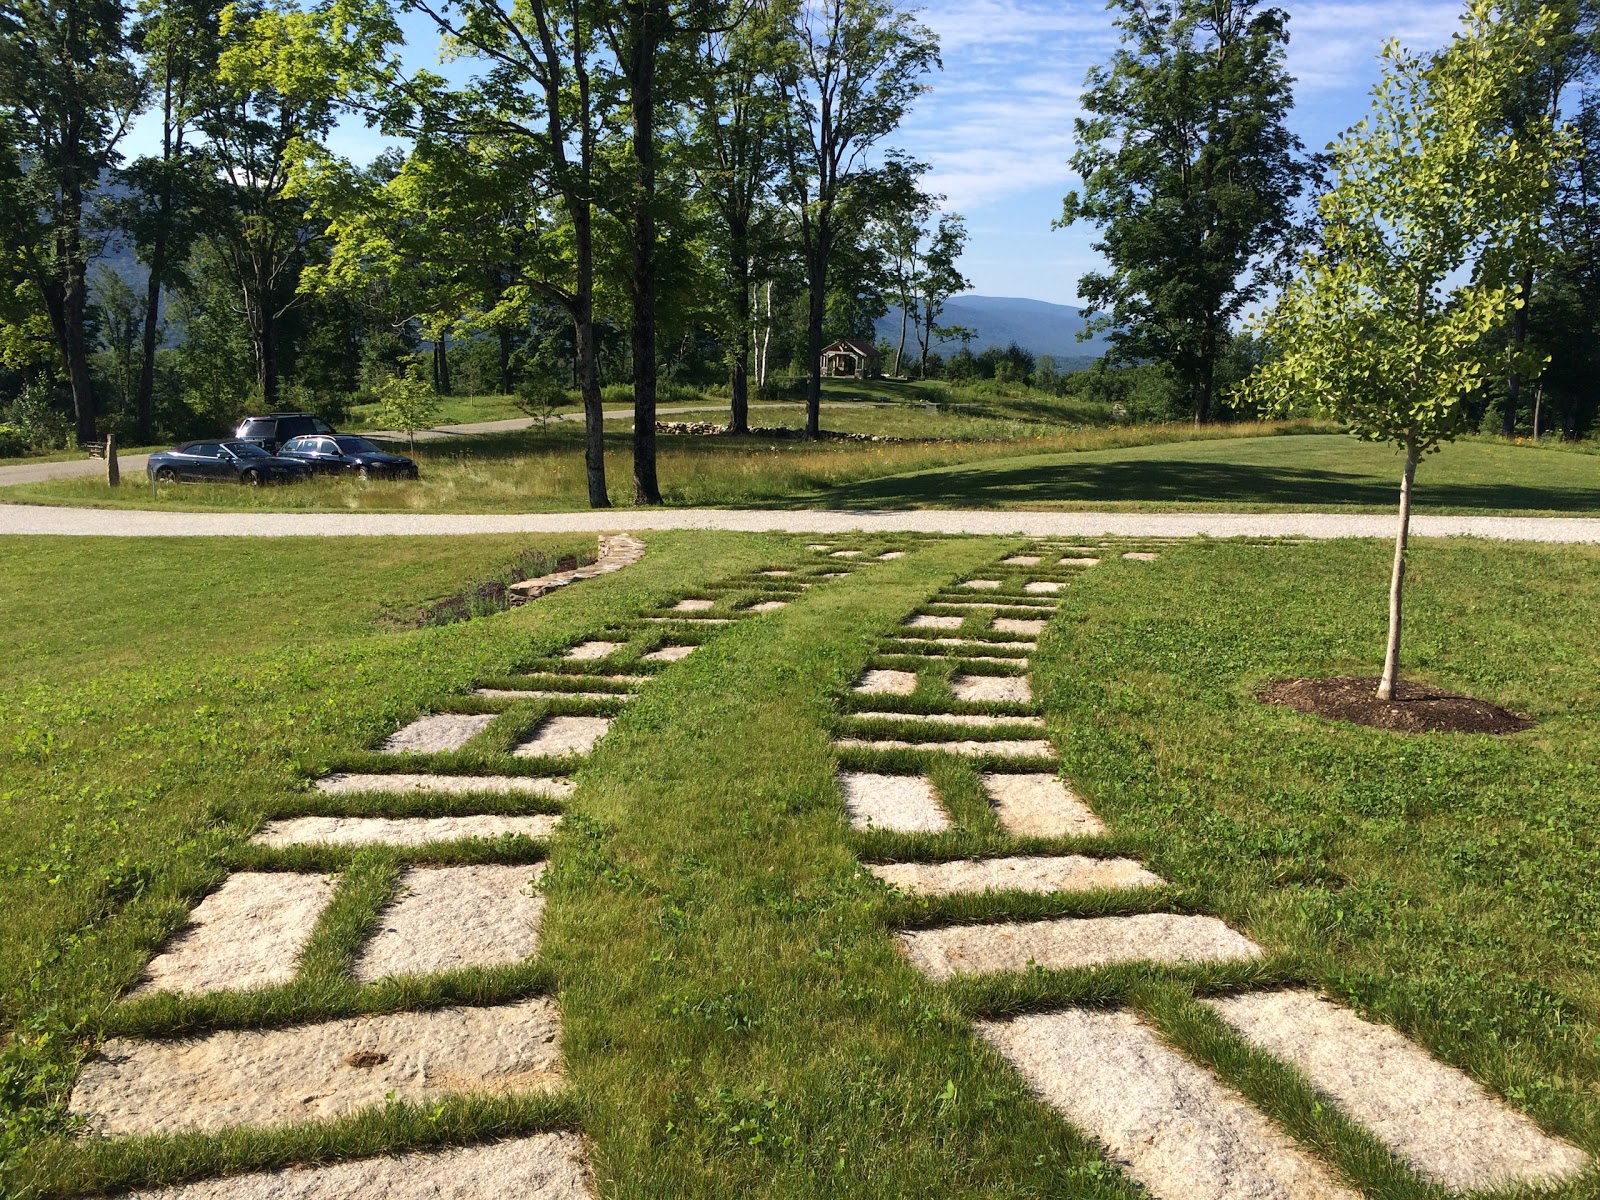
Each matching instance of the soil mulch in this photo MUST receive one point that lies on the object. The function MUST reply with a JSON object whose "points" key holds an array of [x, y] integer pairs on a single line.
{"points": [[1416, 707]]}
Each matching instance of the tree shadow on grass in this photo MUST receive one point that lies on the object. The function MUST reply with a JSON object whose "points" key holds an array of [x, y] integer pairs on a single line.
{"points": [[1182, 481]]}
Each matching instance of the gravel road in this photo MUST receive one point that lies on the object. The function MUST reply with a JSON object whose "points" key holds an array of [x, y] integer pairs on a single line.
{"points": [[96, 522]]}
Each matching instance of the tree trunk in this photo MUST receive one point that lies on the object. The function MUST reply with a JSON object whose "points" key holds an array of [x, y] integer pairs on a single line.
{"points": [[1519, 338], [739, 366], [441, 363], [505, 361], [816, 313], [899, 351], [641, 77], [113, 468], [144, 404], [594, 414], [75, 348], [1391, 656], [1206, 376]]}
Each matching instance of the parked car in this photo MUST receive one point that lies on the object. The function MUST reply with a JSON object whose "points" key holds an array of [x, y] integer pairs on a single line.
{"points": [[229, 461], [343, 454], [271, 431]]}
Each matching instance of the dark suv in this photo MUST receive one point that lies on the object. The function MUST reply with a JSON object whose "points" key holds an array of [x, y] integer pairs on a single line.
{"points": [[273, 430]]}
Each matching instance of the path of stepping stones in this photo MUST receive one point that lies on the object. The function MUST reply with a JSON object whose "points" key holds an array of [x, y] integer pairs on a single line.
{"points": [[951, 686], [494, 766]]}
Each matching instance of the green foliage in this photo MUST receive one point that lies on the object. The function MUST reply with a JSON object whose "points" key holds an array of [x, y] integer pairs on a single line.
{"points": [[1192, 175], [406, 399], [1384, 326]]}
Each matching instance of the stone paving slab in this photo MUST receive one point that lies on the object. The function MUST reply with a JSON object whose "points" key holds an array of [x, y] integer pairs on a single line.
{"points": [[264, 1078], [670, 653], [591, 650], [976, 720], [1040, 875], [447, 918], [541, 694], [1044, 587], [976, 643], [904, 803], [765, 606], [923, 621], [545, 1166], [1436, 1118], [694, 605], [437, 733], [556, 737], [1029, 628], [1023, 560], [690, 620], [1064, 942], [1009, 748], [976, 658], [401, 831], [1079, 562], [879, 682], [1039, 806], [556, 788], [616, 552], [247, 934], [982, 585], [1009, 689], [1140, 556], [1172, 1125]]}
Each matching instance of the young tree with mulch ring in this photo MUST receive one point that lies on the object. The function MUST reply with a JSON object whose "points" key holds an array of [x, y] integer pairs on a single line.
{"points": [[1429, 189]]}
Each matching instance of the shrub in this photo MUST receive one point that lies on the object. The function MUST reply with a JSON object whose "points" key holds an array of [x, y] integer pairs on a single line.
{"points": [[12, 443]]}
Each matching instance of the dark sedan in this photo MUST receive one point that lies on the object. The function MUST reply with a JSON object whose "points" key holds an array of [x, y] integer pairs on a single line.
{"points": [[342, 454], [223, 461]]}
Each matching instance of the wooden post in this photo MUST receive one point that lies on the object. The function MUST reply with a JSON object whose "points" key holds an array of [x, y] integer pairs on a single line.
{"points": [[113, 473]]}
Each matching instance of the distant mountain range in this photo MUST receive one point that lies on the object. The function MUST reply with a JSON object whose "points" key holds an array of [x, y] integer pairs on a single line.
{"points": [[1035, 325]]}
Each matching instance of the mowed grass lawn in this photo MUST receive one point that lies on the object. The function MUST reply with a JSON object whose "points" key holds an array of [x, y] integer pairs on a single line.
{"points": [[738, 1021]]}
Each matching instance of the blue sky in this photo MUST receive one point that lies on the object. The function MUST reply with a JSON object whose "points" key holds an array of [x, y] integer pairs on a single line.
{"points": [[996, 128]]}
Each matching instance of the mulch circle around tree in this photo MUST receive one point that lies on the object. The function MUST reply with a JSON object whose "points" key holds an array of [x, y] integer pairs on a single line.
{"points": [[1416, 707]]}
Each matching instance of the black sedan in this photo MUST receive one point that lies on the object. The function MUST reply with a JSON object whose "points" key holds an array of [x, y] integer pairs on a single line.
{"points": [[342, 454], [223, 461]]}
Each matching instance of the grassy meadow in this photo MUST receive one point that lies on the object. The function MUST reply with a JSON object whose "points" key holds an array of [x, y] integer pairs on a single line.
{"points": [[738, 1021]]}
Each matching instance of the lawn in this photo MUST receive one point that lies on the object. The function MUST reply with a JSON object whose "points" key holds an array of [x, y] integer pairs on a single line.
{"points": [[738, 1022]]}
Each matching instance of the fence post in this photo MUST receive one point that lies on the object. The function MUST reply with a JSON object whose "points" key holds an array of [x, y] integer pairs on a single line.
{"points": [[113, 474]]}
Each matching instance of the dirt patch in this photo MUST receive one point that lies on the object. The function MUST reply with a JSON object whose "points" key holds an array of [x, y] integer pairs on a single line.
{"points": [[559, 736], [1039, 806], [886, 683], [943, 954], [905, 803], [261, 1078], [246, 934], [546, 1166], [446, 918], [400, 831], [437, 733], [1171, 1124], [1432, 1115], [1009, 689], [1070, 873], [501, 785], [1416, 707]]}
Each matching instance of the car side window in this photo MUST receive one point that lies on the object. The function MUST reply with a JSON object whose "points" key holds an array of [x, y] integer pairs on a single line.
{"points": [[326, 446], [206, 450]]}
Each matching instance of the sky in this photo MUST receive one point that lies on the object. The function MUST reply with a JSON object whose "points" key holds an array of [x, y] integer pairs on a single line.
{"points": [[996, 126]]}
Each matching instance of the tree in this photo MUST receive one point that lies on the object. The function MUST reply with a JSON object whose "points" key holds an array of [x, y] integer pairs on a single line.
{"points": [[178, 40], [1384, 326], [270, 99], [938, 280], [407, 400], [850, 70], [733, 151], [1193, 177], [67, 92]]}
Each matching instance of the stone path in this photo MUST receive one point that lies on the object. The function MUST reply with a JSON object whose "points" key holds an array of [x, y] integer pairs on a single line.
{"points": [[252, 933], [1173, 1125], [38, 519]]}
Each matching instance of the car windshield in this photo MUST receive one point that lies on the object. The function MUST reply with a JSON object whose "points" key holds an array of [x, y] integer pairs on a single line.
{"points": [[247, 450], [355, 445]]}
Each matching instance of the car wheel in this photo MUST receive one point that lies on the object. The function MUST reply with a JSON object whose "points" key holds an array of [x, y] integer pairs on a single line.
{"points": [[166, 475], [251, 479]]}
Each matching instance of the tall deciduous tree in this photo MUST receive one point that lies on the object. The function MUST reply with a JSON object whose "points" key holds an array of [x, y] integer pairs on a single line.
{"points": [[1192, 175], [850, 71], [938, 280], [732, 148], [1430, 188], [178, 41], [68, 89]]}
